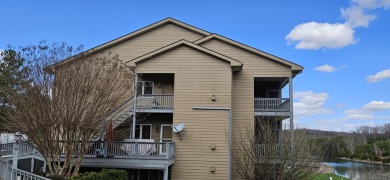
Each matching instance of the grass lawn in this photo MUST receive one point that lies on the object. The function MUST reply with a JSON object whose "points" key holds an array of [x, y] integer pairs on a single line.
{"points": [[327, 176]]}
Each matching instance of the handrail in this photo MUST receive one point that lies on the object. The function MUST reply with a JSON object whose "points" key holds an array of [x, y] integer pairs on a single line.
{"points": [[143, 150], [128, 103], [272, 104], [268, 150], [155, 101], [26, 175], [6, 149], [25, 148]]}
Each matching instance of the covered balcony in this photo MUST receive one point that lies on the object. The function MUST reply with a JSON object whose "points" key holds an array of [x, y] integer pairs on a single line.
{"points": [[269, 98], [155, 93]]}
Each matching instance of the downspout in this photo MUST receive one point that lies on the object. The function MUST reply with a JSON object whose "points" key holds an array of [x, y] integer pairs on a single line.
{"points": [[134, 103], [230, 131]]}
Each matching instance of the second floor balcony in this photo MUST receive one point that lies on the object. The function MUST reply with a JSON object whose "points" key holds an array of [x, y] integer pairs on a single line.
{"points": [[162, 101], [272, 106]]}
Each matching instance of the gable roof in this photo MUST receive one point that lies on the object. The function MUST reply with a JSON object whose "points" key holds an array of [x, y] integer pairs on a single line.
{"points": [[208, 36], [132, 35], [294, 67], [235, 64]]}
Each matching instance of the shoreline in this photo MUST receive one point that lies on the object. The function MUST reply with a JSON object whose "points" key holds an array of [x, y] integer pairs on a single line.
{"points": [[364, 161]]}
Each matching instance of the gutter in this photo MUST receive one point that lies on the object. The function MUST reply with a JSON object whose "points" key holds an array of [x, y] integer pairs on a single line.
{"points": [[230, 130]]}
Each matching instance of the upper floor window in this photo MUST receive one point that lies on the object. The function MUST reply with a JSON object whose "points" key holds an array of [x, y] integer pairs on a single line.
{"points": [[143, 131], [145, 87]]}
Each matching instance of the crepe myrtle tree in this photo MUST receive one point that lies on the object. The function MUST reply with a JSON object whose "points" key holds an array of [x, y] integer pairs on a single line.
{"points": [[264, 151], [62, 109]]}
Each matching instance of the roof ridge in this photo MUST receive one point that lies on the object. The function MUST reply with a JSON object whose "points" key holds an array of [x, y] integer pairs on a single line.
{"points": [[134, 34], [233, 62], [244, 46]]}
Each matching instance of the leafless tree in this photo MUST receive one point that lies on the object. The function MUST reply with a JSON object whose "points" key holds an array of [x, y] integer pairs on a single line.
{"points": [[62, 109], [263, 152]]}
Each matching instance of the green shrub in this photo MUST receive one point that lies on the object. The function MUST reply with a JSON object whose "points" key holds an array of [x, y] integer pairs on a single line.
{"points": [[102, 175], [56, 177], [376, 158], [386, 160]]}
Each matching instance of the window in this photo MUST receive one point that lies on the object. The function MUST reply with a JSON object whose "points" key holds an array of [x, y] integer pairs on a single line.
{"points": [[145, 87], [273, 93], [143, 131]]}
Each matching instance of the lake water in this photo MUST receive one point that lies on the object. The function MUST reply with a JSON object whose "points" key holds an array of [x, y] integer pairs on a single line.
{"points": [[357, 170]]}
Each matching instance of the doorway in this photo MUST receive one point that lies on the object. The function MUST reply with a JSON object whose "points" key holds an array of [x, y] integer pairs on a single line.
{"points": [[165, 136]]}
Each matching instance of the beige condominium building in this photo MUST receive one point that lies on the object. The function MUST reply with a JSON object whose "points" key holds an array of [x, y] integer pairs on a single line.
{"points": [[194, 91]]}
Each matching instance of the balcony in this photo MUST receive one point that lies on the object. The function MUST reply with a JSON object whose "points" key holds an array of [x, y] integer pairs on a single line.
{"points": [[116, 154], [162, 101], [272, 106], [132, 149], [268, 150]]}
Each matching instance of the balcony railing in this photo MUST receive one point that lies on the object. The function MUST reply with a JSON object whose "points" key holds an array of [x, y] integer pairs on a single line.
{"points": [[272, 104], [143, 150], [155, 101], [133, 149], [268, 150], [24, 148]]}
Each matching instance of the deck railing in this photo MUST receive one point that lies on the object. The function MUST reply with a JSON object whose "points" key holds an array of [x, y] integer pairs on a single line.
{"points": [[6, 149], [268, 150], [155, 101], [272, 104], [24, 148], [152, 150], [20, 174]]}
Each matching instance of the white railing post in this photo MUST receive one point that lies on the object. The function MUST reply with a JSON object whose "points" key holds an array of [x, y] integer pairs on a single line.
{"points": [[167, 150], [16, 148], [136, 149]]}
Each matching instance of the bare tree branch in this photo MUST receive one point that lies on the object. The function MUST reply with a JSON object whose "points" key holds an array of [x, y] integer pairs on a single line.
{"points": [[61, 111]]}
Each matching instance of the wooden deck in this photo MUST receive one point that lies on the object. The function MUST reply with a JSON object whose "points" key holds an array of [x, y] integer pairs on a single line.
{"points": [[117, 154]]}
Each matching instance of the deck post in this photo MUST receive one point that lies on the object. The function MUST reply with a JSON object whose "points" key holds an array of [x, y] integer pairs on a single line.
{"points": [[32, 165], [134, 104], [105, 150], [291, 111], [44, 167], [15, 152], [166, 173]]}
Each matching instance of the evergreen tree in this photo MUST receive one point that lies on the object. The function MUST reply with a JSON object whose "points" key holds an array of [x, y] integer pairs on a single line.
{"points": [[12, 75]]}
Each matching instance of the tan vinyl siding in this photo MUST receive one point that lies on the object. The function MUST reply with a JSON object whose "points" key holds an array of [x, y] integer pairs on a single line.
{"points": [[198, 76], [243, 82], [152, 40]]}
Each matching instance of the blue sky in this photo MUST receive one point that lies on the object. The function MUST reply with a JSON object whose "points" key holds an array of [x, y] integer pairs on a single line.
{"points": [[343, 44]]}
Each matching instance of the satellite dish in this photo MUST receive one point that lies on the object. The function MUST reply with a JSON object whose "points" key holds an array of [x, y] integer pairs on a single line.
{"points": [[177, 128]]}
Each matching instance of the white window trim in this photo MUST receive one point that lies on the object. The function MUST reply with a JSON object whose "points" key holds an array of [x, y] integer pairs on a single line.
{"points": [[140, 130], [143, 87]]}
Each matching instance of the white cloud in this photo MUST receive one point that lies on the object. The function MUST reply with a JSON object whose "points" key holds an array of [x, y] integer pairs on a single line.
{"points": [[328, 68], [377, 106], [341, 105], [356, 16], [379, 76], [315, 35], [358, 114], [325, 68], [367, 111], [310, 103]]}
